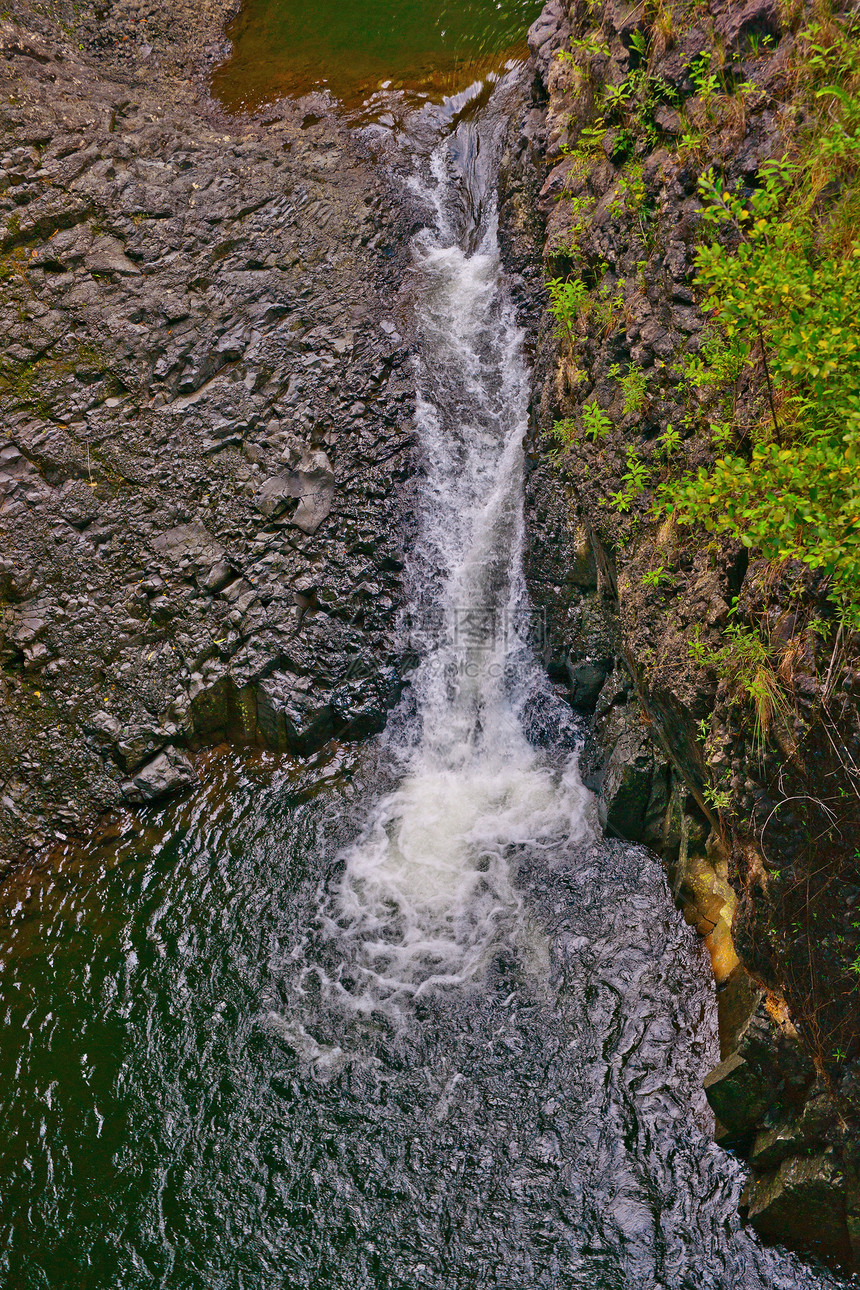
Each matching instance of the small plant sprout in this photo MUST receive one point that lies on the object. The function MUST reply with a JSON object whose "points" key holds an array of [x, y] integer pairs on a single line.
{"points": [[590, 46], [759, 43], [564, 432], [706, 81], [617, 95], [595, 421], [703, 729], [637, 473], [639, 44], [698, 650], [654, 577], [718, 798], [669, 441]]}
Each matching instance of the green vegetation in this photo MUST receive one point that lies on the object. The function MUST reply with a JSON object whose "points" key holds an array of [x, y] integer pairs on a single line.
{"points": [[752, 440], [780, 275], [564, 432], [581, 208], [706, 82], [775, 385], [566, 299], [595, 421], [656, 577], [719, 798], [748, 663], [669, 442], [589, 45], [634, 386], [634, 481]]}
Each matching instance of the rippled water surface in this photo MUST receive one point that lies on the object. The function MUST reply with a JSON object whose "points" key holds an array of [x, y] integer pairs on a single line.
{"points": [[399, 1018], [352, 48], [181, 1109]]}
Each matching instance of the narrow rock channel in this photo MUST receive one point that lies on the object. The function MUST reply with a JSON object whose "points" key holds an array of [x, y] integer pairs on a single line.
{"points": [[388, 1012]]}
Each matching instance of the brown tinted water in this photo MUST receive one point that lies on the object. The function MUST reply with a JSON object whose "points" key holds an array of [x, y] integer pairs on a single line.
{"points": [[352, 48]]}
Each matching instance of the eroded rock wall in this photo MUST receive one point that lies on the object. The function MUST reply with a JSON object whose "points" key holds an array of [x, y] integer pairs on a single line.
{"points": [[205, 419], [759, 836]]}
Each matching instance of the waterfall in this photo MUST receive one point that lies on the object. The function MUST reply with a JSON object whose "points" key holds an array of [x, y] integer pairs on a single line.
{"points": [[429, 887]]}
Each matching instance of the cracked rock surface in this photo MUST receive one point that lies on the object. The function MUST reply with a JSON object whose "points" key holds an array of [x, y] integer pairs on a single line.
{"points": [[205, 419]]}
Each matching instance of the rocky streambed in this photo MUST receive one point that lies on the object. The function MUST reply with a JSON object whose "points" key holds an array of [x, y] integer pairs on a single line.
{"points": [[205, 420]]}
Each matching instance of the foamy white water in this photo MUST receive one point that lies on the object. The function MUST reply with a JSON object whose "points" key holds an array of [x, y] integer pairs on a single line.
{"points": [[429, 889]]}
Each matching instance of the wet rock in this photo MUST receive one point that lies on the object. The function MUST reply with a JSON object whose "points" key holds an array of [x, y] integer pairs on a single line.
{"points": [[137, 744], [677, 728], [806, 1196], [547, 34], [312, 482], [798, 1134], [633, 795], [167, 774], [706, 897], [174, 352], [771, 1044], [852, 1183], [104, 725], [106, 255], [668, 120], [587, 678], [755, 17], [737, 1000], [291, 715], [736, 1096]]}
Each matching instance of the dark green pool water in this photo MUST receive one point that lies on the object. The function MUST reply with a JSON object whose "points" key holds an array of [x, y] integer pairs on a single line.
{"points": [[183, 1111], [355, 47]]}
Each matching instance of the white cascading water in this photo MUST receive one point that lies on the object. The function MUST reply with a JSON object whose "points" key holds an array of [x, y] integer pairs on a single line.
{"points": [[428, 890]]}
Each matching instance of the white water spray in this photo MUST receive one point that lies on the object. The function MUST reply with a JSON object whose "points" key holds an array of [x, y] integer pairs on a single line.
{"points": [[428, 891]]}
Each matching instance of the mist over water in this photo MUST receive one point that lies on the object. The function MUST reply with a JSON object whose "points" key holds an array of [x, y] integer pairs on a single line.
{"points": [[398, 1019]]}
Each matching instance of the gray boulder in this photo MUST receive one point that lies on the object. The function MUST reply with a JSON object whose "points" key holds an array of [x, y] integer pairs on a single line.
{"points": [[736, 1095], [168, 773], [312, 482]]}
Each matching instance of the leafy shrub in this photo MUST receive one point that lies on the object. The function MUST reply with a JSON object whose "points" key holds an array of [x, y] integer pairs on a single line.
{"points": [[798, 497], [705, 80], [655, 577], [635, 389], [669, 441], [564, 433], [747, 662]]}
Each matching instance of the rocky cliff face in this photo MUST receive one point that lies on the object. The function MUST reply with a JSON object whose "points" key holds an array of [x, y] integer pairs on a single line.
{"points": [[758, 828], [204, 420]]}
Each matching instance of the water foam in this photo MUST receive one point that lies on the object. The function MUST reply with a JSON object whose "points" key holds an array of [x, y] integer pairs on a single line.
{"points": [[428, 892]]}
